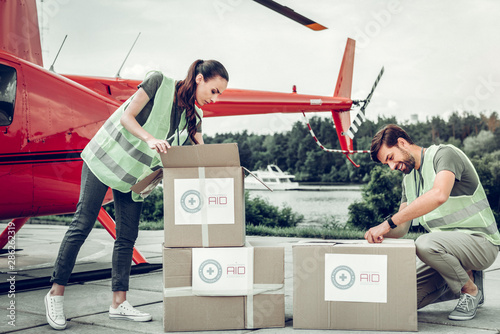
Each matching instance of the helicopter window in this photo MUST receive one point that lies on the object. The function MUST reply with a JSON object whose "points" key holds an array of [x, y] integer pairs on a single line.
{"points": [[8, 83]]}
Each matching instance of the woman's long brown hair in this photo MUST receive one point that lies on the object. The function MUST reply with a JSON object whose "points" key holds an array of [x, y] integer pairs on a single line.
{"points": [[186, 89]]}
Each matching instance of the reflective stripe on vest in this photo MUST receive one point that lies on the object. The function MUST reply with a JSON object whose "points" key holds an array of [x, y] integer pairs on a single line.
{"points": [[117, 136], [470, 214], [460, 214], [108, 161]]}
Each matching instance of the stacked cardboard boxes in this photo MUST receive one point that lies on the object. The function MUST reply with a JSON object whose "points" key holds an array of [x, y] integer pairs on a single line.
{"points": [[190, 307], [213, 280]]}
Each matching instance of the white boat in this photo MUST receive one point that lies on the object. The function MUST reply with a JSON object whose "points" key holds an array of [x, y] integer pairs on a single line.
{"points": [[273, 177]]}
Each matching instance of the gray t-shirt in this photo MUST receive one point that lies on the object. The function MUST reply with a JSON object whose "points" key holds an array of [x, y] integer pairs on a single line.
{"points": [[447, 158], [150, 86]]}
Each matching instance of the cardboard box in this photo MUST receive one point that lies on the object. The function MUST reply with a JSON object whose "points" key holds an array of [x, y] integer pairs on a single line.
{"points": [[261, 308], [204, 199], [353, 285]]}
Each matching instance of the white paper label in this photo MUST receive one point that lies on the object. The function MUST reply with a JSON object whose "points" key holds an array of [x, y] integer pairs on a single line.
{"points": [[356, 278], [204, 201], [222, 271]]}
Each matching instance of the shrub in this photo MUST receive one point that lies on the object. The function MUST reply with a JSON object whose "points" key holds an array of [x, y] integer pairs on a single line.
{"points": [[381, 197], [152, 209], [259, 211]]}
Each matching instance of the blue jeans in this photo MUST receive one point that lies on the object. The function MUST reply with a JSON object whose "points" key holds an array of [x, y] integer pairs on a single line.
{"points": [[127, 214]]}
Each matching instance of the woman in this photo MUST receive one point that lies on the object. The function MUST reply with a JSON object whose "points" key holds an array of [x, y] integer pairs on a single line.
{"points": [[161, 113]]}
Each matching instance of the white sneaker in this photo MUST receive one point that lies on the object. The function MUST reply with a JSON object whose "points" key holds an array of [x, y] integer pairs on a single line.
{"points": [[54, 311], [127, 312]]}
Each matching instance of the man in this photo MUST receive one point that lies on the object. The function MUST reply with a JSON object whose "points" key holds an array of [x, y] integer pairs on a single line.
{"points": [[442, 190]]}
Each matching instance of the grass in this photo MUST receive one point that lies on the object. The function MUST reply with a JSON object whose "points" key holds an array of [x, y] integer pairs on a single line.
{"points": [[304, 232], [297, 232], [145, 226], [55, 220], [312, 232]]}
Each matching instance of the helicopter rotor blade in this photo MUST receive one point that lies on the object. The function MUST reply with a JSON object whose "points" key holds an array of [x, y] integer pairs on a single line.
{"points": [[291, 14]]}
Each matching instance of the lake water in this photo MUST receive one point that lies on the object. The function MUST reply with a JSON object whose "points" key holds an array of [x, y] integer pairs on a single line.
{"points": [[317, 203]]}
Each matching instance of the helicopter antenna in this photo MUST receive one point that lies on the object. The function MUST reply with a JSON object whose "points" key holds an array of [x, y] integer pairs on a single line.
{"points": [[57, 55], [118, 73]]}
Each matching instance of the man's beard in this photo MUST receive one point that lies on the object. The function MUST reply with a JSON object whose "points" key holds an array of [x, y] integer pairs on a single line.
{"points": [[408, 161]]}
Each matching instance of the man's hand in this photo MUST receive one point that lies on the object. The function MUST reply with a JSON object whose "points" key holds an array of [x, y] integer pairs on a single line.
{"points": [[376, 234]]}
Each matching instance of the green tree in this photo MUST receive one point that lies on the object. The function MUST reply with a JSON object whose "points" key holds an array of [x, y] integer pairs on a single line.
{"points": [[295, 151], [488, 170], [478, 145], [492, 122], [439, 130], [472, 124], [455, 123], [381, 197]]}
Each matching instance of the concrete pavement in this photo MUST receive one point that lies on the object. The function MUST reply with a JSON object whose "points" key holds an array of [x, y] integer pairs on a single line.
{"points": [[86, 304]]}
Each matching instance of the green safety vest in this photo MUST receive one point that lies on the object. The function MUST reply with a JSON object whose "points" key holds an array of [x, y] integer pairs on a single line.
{"points": [[468, 214], [118, 158]]}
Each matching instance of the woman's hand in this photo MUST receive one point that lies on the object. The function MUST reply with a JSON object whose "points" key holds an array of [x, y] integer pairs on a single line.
{"points": [[199, 138], [160, 146]]}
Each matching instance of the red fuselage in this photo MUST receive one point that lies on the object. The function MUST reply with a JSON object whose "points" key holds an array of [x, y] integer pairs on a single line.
{"points": [[53, 120]]}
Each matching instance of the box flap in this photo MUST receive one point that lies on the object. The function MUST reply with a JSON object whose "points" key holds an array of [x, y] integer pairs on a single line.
{"points": [[208, 155], [146, 185], [357, 242]]}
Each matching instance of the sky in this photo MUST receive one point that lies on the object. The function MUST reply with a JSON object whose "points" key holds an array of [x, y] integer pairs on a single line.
{"points": [[439, 56]]}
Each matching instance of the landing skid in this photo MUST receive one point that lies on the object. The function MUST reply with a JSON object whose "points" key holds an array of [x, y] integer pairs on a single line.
{"points": [[104, 218]]}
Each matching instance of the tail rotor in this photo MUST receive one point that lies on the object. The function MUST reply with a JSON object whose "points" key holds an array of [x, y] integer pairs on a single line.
{"points": [[360, 116]]}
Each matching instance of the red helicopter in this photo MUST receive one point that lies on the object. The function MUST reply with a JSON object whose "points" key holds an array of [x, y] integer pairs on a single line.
{"points": [[46, 119]]}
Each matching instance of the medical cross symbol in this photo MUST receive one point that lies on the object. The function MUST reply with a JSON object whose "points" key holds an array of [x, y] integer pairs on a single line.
{"points": [[191, 201], [210, 271], [343, 277]]}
